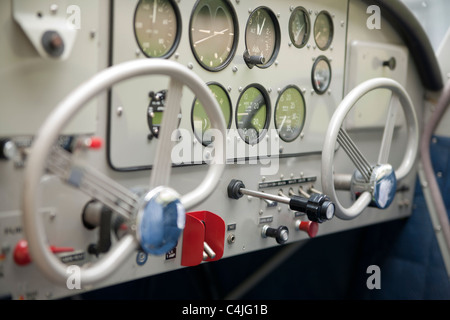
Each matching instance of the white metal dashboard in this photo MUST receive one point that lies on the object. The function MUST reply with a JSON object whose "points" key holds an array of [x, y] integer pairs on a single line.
{"points": [[279, 71]]}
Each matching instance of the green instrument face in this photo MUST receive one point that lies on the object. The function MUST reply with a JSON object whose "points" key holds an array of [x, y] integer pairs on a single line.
{"points": [[213, 33], [290, 114], [200, 121], [252, 114], [156, 27]]}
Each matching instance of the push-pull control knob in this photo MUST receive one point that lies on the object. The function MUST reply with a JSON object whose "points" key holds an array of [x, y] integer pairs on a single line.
{"points": [[317, 207], [8, 149], [281, 234], [310, 227]]}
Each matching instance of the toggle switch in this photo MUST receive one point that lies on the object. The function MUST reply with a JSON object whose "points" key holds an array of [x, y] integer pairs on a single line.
{"points": [[303, 192], [281, 234], [203, 238], [22, 257], [310, 227]]}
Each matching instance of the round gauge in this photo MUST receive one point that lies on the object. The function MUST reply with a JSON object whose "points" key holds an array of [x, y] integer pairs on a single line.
{"points": [[199, 119], [299, 27], [157, 27], [213, 33], [290, 114], [321, 75], [155, 112], [323, 30], [253, 113], [262, 38]]}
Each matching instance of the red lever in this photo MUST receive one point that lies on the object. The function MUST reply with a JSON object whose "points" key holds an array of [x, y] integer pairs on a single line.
{"points": [[22, 256], [204, 233], [310, 227]]}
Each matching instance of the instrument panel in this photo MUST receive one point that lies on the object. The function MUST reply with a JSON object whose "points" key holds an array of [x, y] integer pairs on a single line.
{"points": [[276, 70]]}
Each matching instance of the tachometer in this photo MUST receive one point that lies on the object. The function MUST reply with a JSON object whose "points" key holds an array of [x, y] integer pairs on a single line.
{"points": [[199, 119], [213, 33], [262, 38], [290, 113], [253, 113], [157, 27]]}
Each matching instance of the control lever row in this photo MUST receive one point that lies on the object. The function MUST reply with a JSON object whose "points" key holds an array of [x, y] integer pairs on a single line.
{"points": [[317, 207]]}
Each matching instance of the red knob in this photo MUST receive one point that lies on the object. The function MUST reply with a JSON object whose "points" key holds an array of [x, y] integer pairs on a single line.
{"points": [[22, 256], [95, 143], [310, 227]]}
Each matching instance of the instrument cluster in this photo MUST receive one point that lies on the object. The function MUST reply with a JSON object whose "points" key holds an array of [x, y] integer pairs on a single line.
{"points": [[270, 69]]}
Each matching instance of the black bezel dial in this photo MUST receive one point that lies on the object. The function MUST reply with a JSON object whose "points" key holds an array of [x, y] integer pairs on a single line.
{"points": [[213, 33], [262, 36], [299, 27], [321, 75], [157, 27], [200, 121], [290, 113], [323, 30], [253, 113]]}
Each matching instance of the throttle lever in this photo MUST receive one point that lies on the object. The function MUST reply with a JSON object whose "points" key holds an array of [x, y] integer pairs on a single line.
{"points": [[318, 207]]}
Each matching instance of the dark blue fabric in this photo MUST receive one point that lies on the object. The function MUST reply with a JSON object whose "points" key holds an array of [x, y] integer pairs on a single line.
{"points": [[407, 252]]}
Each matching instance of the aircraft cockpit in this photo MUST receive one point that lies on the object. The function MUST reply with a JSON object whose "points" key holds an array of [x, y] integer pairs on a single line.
{"points": [[224, 150]]}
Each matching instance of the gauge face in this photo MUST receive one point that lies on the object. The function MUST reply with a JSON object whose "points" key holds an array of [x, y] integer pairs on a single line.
{"points": [[213, 33], [262, 36], [290, 114], [321, 75], [299, 27], [323, 30], [157, 27], [200, 121], [252, 114]]}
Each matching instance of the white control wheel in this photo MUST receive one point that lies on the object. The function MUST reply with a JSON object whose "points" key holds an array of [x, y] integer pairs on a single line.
{"points": [[142, 211], [374, 184]]}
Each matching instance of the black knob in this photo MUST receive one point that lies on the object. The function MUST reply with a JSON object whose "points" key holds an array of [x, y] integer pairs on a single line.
{"points": [[252, 61], [281, 234], [233, 189], [8, 149], [53, 43], [391, 63], [317, 207]]}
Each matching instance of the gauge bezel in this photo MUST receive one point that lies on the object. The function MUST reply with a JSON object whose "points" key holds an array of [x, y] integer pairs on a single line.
{"points": [[277, 27], [331, 37], [230, 57], [308, 25], [192, 111], [177, 36], [316, 62], [268, 112], [276, 108]]}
